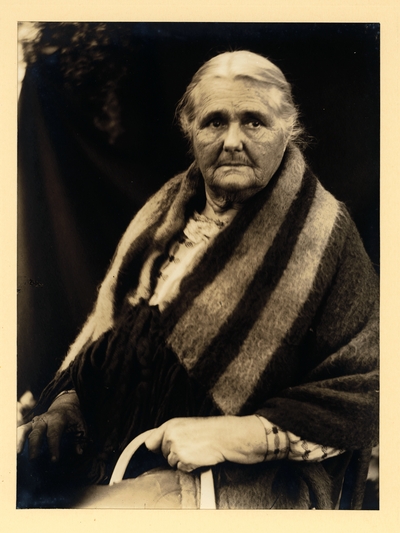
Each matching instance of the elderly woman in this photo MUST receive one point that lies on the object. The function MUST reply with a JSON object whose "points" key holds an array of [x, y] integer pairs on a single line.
{"points": [[238, 318]]}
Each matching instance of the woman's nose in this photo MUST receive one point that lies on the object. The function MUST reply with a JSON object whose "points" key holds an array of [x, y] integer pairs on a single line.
{"points": [[233, 138]]}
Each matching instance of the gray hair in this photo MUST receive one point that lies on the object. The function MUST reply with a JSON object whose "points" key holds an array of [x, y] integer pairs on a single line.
{"points": [[243, 65]]}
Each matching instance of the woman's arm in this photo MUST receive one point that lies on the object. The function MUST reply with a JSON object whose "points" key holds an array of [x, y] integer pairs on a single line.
{"points": [[190, 443]]}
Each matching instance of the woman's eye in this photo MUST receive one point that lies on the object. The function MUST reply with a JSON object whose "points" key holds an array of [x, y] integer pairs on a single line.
{"points": [[254, 124]]}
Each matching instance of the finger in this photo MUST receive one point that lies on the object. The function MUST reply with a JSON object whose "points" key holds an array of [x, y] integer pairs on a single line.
{"points": [[79, 448], [81, 442], [80, 428], [54, 434], [166, 446], [172, 459], [35, 437], [154, 441], [22, 433], [184, 467], [79, 432]]}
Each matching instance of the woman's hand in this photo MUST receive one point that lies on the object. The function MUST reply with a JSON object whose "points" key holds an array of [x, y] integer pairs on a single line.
{"points": [[190, 443], [63, 417]]}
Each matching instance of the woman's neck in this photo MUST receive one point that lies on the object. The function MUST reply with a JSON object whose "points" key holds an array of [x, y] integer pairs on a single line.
{"points": [[219, 206], [215, 212]]}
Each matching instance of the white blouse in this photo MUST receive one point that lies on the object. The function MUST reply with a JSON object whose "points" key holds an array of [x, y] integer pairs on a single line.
{"points": [[184, 253]]}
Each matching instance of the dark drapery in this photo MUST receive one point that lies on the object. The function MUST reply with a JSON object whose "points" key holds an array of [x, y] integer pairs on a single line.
{"points": [[77, 192]]}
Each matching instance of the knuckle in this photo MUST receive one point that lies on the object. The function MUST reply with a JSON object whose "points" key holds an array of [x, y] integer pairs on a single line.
{"points": [[55, 415], [185, 467], [53, 432], [35, 433], [172, 424]]}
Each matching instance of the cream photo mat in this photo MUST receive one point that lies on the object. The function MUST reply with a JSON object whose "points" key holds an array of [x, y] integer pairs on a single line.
{"points": [[387, 13]]}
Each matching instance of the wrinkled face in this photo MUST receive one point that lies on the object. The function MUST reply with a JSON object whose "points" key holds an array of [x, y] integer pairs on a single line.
{"points": [[237, 140]]}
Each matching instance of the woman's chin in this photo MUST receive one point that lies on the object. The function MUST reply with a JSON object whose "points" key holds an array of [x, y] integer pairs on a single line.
{"points": [[234, 182]]}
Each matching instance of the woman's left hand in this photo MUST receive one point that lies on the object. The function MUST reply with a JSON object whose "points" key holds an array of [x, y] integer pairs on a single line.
{"points": [[190, 443]]}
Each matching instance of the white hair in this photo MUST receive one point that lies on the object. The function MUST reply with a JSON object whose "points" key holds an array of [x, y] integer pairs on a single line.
{"points": [[243, 65]]}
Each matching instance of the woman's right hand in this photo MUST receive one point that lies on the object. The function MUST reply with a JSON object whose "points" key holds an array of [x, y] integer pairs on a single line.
{"points": [[63, 417]]}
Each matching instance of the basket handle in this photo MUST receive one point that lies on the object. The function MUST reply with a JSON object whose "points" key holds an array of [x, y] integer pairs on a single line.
{"points": [[207, 493]]}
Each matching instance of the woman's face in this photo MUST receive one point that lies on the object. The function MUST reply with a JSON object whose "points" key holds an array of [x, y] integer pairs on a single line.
{"points": [[237, 140]]}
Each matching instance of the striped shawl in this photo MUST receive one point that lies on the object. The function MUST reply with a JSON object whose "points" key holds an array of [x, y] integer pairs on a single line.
{"points": [[278, 317]]}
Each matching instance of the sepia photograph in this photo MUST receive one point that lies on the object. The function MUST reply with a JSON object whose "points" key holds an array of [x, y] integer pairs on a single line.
{"points": [[198, 265]]}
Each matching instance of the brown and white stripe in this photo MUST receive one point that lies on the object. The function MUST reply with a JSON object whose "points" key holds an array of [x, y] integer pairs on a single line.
{"points": [[282, 308]]}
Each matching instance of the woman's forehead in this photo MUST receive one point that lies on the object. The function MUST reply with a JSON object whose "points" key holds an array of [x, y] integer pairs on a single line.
{"points": [[243, 94]]}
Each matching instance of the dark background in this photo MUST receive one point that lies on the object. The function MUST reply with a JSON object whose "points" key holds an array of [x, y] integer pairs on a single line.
{"points": [[97, 136]]}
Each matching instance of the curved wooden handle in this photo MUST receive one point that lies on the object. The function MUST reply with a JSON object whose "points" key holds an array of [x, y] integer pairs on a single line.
{"points": [[126, 456], [207, 493]]}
